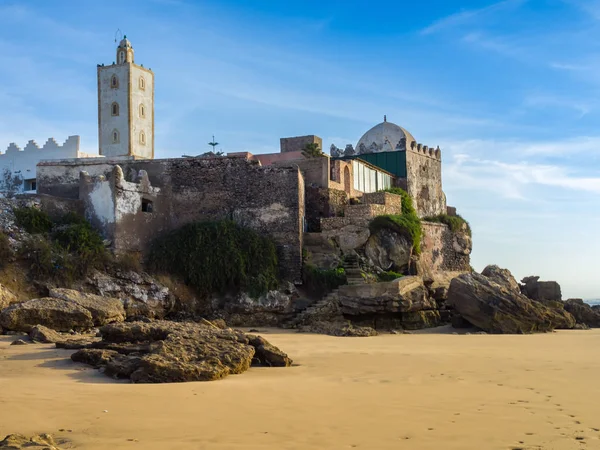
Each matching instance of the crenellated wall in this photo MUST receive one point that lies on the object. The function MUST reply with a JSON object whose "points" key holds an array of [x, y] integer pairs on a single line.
{"points": [[424, 179], [18, 166]]}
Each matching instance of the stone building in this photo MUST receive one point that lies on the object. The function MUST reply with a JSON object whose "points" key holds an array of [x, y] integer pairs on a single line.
{"points": [[125, 106]]}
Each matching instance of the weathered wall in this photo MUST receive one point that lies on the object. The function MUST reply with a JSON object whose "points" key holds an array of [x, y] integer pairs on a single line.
{"points": [[321, 203], [314, 170], [424, 181], [297, 144], [269, 200], [443, 250]]}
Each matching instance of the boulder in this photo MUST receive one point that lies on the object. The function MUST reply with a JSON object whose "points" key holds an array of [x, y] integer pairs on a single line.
{"points": [[541, 291], [19, 342], [57, 314], [45, 335], [501, 276], [241, 310], [104, 310], [405, 294], [349, 236], [389, 250], [6, 297], [41, 442], [583, 313], [267, 354], [497, 309], [163, 352]]}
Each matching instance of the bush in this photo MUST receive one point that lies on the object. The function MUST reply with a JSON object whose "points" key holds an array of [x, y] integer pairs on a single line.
{"points": [[407, 202], [389, 276], [33, 220], [455, 223], [407, 224], [5, 250], [217, 257], [49, 262], [129, 262], [319, 282]]}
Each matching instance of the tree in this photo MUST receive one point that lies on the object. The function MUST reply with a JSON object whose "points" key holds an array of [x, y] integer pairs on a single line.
{"points": [[312, 150], [9, 183]]}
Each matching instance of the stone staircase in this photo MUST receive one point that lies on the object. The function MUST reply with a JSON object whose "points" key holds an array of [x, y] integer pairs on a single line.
{"points": [[353, 273], [301, 316]]}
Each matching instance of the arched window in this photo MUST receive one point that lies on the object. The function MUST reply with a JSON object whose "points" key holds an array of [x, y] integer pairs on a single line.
{"points": [[142, 138], [114, 82], [114, 109], [142, 84], [142, 111], [115, 136], [121, 57]]}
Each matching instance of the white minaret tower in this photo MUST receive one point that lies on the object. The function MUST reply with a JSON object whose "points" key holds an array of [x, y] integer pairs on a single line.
{"points": [[125, 106]]}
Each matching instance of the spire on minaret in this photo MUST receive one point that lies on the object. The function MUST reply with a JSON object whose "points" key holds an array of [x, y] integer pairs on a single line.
{"points": [[385, 118]]}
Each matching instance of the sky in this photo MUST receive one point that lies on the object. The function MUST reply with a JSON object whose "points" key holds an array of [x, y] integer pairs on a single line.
{"points": [[509, 90]]}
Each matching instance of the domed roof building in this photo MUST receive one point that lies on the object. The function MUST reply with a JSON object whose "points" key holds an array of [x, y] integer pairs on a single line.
{"points": [[384, 137]]}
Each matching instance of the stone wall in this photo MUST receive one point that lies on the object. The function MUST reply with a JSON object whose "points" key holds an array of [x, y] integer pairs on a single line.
{"points": [[314, 170], [297, 144], [424, 181], [442, 250], [269, 200], [322, 203]]}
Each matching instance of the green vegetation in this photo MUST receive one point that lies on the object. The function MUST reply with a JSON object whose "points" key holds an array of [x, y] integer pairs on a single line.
{"points": [[389, 276], [319, 282], [61, 251], [407, 202], [33, 220], [217, 257], [312, 151], [455, 223], [5, 250]]}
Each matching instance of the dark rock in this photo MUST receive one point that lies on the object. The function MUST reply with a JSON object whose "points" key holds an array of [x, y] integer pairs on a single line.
{"points": [[502, 277], [19, 342], [459, 322], [541, 291], [340, 329], [60, 315], [583, 313], [103, 309], [267, 354], [497, 309], [418, 320]]}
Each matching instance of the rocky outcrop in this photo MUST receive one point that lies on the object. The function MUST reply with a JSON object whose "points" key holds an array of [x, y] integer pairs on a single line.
{"points": [[338, 328], [57, 314], [496, 308], [418, 320], [583, 312], [405, 294], [502, 277], [104, 310], [541, 291], [166, 352], [140, 294], [45, 335], [6, 297], [41, 442], [389, 250]]}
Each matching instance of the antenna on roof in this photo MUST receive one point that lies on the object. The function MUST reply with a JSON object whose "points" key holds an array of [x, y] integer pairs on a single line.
{"points": [[118, 32], [384, 118]]}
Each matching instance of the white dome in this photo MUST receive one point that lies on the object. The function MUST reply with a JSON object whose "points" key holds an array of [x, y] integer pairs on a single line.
{"points": [[125, 43], [385, 137]]}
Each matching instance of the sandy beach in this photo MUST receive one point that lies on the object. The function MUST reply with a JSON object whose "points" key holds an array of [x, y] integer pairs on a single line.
{"points": [[420, 391]]}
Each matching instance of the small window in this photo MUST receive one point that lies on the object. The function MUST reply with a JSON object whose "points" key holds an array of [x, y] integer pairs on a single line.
{"points": [[142, 111], [114, 82], [114, 109], [115, 137], [147, 206], [142, 138], [142, 84], [121, 57]]}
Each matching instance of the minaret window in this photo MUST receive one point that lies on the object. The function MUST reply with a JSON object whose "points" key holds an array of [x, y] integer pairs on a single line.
{"points": [[121, 57], [142, 111], [115, 137], [142, 138], [114, 109], [142, 84], [114, 82]]}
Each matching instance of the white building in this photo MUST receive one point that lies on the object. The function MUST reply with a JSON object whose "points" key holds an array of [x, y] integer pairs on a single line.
{"points": [[125, 106], [18, 167]]}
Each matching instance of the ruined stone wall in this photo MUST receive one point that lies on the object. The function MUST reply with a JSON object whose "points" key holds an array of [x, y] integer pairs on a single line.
{"points": [[269, 200], [424, 180], [442, 250], [321, 203]]}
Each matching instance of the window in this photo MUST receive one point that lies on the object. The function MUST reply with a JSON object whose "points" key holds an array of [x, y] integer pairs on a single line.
{"points": [[114, 109], [121, 57], [142, 138], [147, 206], [114, 82], [30, 185], [142, 111], [115, 136], [142, 84]]}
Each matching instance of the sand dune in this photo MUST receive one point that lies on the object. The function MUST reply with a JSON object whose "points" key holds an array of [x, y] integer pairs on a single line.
{"points": [[420, 391]]}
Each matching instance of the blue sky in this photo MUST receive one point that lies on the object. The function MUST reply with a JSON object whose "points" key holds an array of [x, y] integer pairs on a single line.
{"points": [[509, 90]]}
